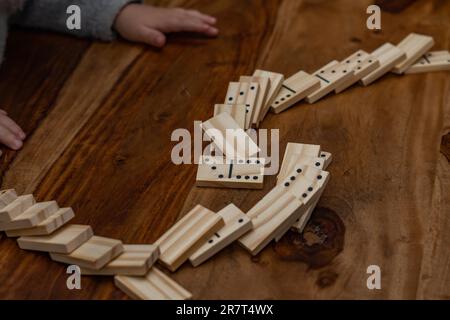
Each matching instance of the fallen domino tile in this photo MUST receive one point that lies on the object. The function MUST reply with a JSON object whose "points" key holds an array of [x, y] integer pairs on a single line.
{"points": [[331, 77], [46, 227], [215, 172], [294, 89], [187, 235], [135, 260], [154, 286], [236, 225], [306, 183], [414, 45], [275, 211], [292, 153], [229, 138], [276, 81], [64, 240], [32, 216], [93, 254], [362, 64], [16, 207], [6, 197], [236, 111], [388, 55], [430, 62]]}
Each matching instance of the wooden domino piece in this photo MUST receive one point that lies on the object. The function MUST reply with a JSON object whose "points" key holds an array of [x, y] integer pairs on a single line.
{"points": [[300, 224], [187, 235], [216, 172], [154, 286], [264, 87], [306, 183], [388, 56], [46, 227], [362, 64], [331, 76], [236, 225], [292, 154], [414, 45], [277, 210], [31, 217], [15, 208], [135, 260], [236, 111], [93, 254], [64, 240], [229, 138], [6, 197], [276, 81], [243, 93], [294, 89], [431, 61]]}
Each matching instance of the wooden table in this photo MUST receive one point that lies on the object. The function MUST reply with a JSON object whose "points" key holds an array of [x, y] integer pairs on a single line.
{"points": [[99, 117]]}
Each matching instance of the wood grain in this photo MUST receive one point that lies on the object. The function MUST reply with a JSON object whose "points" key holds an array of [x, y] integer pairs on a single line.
{"points": [[99, 119]]}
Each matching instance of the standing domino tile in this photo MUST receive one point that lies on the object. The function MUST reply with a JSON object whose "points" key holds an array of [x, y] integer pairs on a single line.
{"points": [[431, 61], [236, 225], [46, 227], [187, 235], [216, 172], [154, 286], [64, 240], [236, 111], [388, 55], [237, 144], [264, 86], [243, 93], [294, 89], [414, 45], [135, 260], [331, 76], [276, 81], [362, 64], [93, 254]]}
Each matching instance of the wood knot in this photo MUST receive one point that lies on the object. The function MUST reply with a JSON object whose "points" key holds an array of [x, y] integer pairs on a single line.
{"points": [[321, 240], [162, 117], [326, 279], [445, 146], [119, 160]]}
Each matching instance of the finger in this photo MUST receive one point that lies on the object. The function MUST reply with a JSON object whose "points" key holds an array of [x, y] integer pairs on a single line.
{"points": [[203, 17], [12, 126], [3, 112], [9, 139], [153, 37], [196, 25]]}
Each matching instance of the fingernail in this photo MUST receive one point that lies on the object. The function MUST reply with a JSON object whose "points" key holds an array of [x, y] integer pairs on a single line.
{"points": [[17, 144], [22, 135]]}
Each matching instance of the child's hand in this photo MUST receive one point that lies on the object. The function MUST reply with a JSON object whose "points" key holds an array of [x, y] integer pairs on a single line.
{"points": [[143, 23], [10, 133]]}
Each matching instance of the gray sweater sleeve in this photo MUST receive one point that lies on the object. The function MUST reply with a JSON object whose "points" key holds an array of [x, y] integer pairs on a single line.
{"points": [[97, 16]]}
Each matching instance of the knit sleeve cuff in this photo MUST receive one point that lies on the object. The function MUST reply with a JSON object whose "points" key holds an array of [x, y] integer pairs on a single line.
{"points": [[102, 16]]}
